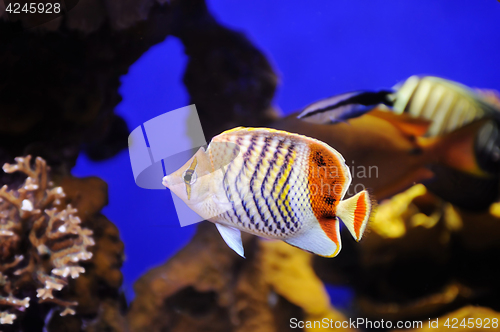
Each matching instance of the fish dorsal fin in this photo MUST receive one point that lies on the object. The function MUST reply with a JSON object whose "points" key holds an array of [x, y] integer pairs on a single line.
{"points": [[232, 237], [412, 126], [340, 108]]}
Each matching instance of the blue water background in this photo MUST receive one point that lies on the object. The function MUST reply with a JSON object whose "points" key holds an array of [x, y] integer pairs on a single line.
{"points": [[318, 48]]}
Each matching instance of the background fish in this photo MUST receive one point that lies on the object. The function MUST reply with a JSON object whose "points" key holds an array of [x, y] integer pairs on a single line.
{"points": [[450, 105], [422, 108], [397, 157], [273, 184]]}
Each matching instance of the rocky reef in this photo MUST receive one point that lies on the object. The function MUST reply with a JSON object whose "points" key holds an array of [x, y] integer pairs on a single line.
{"points": [[207, 287], [58, 91], [421, 259], [62, 104]]}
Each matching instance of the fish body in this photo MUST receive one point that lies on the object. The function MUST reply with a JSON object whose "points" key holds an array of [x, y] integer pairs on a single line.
{"points": [[276, 185]]}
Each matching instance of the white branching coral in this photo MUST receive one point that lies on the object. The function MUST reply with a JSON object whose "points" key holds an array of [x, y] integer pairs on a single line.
{"points": [[41, 243]]}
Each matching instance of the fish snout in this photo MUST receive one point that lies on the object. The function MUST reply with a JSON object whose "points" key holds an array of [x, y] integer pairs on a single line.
{"points": [[166, 181]]}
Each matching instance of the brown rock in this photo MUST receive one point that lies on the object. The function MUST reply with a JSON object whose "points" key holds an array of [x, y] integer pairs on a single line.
{"points": [[97, 291], [208, 287]]}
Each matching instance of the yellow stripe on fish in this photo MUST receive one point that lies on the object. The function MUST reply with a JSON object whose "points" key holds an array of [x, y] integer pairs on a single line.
{"points": [[277, 185]]}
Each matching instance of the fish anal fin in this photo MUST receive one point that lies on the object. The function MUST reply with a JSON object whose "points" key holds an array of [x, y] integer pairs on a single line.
{"points": [[232, 237], [355, 213], [317, 240], [331, 228], [407, 124]]}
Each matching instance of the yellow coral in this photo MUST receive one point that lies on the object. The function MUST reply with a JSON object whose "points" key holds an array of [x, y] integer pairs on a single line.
{"points": [[495, 209], [289, 271], [389, 221]]}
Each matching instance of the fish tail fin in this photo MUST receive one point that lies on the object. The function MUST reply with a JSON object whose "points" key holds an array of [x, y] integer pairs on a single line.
{"points": [[472, 149], [322, 239], [355, 213]]}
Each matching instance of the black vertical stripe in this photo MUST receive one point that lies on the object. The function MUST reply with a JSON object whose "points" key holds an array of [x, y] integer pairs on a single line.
{"points": [[412, 96], [255, 174], [227, 187], [246, 157], [272, 163], [410, 100]]}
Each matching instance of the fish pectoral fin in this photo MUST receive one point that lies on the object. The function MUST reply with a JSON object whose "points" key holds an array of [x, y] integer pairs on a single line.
{"points": [[232, 237], [355, 213], [323, 238], [222, 202], [409, 125]]}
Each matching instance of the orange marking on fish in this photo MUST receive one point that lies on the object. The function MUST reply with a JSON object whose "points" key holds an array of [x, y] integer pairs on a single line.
{"points": [[329, 227], [360, 213], [326, 181]]}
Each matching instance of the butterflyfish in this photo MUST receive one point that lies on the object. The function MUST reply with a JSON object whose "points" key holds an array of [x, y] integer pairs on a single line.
{"points": [[273, 184]]}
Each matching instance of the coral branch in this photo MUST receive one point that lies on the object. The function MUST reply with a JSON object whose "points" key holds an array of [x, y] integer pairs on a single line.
{"points": [[56, 242], [6, 266], [8, 196], [6, 318]]}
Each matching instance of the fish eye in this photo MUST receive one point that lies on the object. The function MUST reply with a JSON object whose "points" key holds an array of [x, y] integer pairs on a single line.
{"points": [[189, 176]]}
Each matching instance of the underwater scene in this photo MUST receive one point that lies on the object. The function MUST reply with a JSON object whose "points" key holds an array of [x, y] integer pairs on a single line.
{"points": [[240, 166]]}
